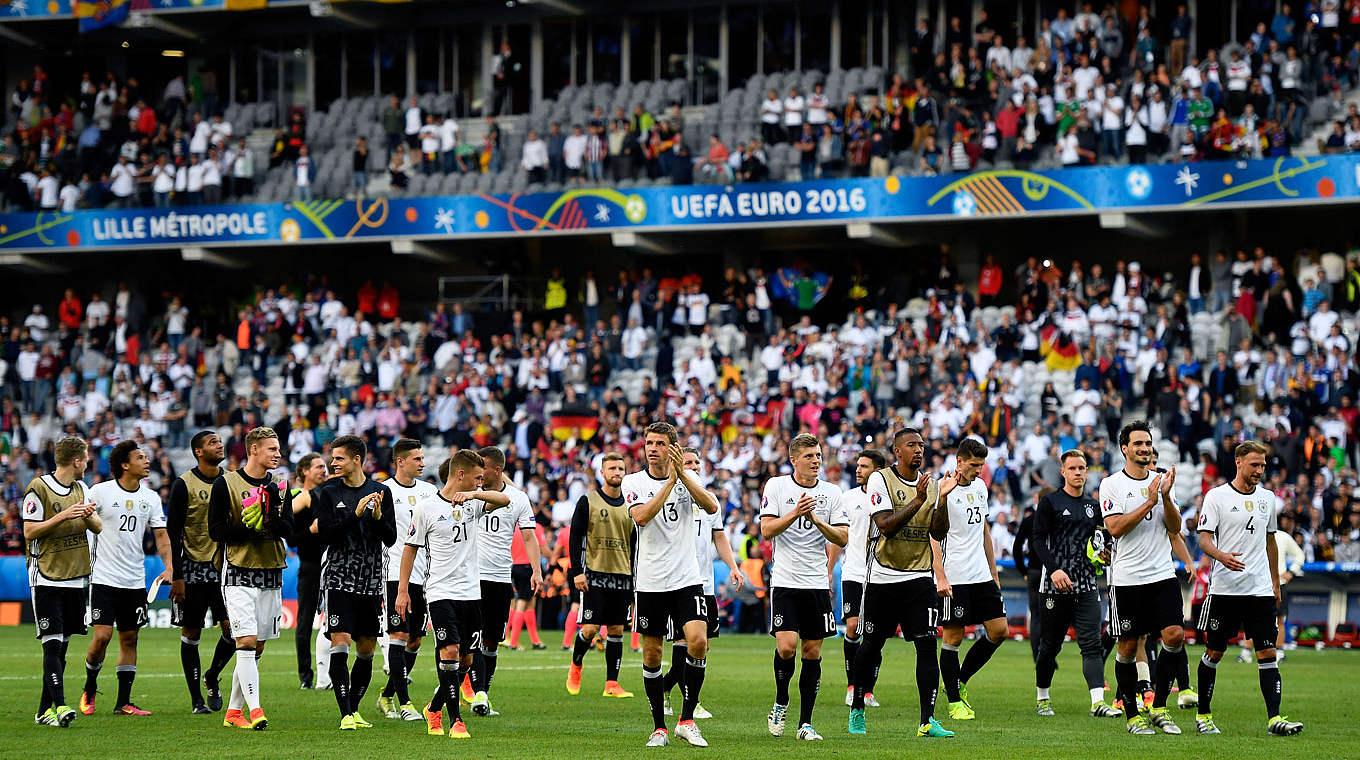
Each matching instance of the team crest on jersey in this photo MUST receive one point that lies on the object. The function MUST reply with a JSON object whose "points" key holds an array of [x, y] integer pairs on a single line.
{"points": [[396, 620], [44, 623], [845, 609], [869, 627], [1249, 505], [821, 500], [441, 634], [94, 614], [1125, 625], [778, 620], [334, 620], [1048, 603], [588, 614], [642, 622], [1213, 624], [958, 612], [1090, 512]]}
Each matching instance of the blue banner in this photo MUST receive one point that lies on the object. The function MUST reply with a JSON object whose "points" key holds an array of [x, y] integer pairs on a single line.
{"points": [[996, 193], [35, 10]]}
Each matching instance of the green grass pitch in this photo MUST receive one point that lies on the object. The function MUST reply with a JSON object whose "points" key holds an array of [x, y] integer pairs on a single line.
{"points": [[539, 719]]}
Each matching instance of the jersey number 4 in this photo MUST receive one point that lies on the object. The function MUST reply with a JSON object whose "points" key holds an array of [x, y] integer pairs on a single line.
{"points": [[1251, 525]]}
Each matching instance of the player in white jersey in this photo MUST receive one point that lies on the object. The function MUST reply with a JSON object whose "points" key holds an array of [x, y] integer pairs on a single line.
{"points": [[966, 577], [801, 514], [661, 499], [404, 633], [709, 541], [1236, 530], [1145, 597], [499, 531], [855, 502], [445, 526], [128, 508]]}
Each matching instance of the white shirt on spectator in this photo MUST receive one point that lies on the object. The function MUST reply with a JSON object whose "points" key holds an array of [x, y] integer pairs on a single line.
{"points": [[574, 150], [534, 155], [70, 196], [448, 135], [771, 111], [121, 176], [793, 111]]}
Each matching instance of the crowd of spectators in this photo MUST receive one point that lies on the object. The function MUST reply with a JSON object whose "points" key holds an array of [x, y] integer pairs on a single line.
{"points": [[1094, 87], [1243, 344]]}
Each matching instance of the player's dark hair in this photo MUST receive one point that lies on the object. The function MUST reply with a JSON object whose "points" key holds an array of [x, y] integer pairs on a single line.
{"points": [[68, 449], [899, 435], [305, 463], [876, 457], [1066, 455], [493, 455], [198, 440], [403, 446], [122, 452], [1126, 432], [663, 428], [463, 459], [352, 444], [972, 448]]}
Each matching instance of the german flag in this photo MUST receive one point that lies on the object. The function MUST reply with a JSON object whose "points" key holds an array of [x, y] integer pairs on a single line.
{"points": [[1058, 350], [565, 426], [97, 14]]}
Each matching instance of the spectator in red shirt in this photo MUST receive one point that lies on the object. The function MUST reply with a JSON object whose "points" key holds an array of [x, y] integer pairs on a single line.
{"points": [[146, 119], [1008, 127], [69, 311], [989, 282], [389, 302], [368, 295], [715, 165]]}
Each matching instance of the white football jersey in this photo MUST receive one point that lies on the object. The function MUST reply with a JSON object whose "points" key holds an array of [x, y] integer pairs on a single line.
{"points": [[855, 502], [1143, 555], [1240, 522], [500, 530], [665, 554], [704, 551], [448, 533], [965, 551], [800, 551], [116, 551], [405, 499]]}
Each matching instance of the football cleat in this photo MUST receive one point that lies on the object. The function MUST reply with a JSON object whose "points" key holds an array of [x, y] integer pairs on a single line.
{"points": [[48, 718], [409, 713], [465, 692], [1205, 724], [1102, 710], [701, 714], [86, 703], [1187, 699], [201, 709], [961, 711], [1045, 708], [359, 721], [933, 729], [481, 705], [807, 733], [869, 700], [1244, 657], [689, 732], [659, 738], [1139, 726], [347, 723], [130, 709], [777, 718], [459, 730], [387, 706], [235, 719], [214, 694], [857, 724], [963, 695], [434, 722], [574, 680], [540, 645], [850, 696], [1282, 726], [64, 715], [666, 706], [613, 690], [1161, 719], [259, 723]]}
